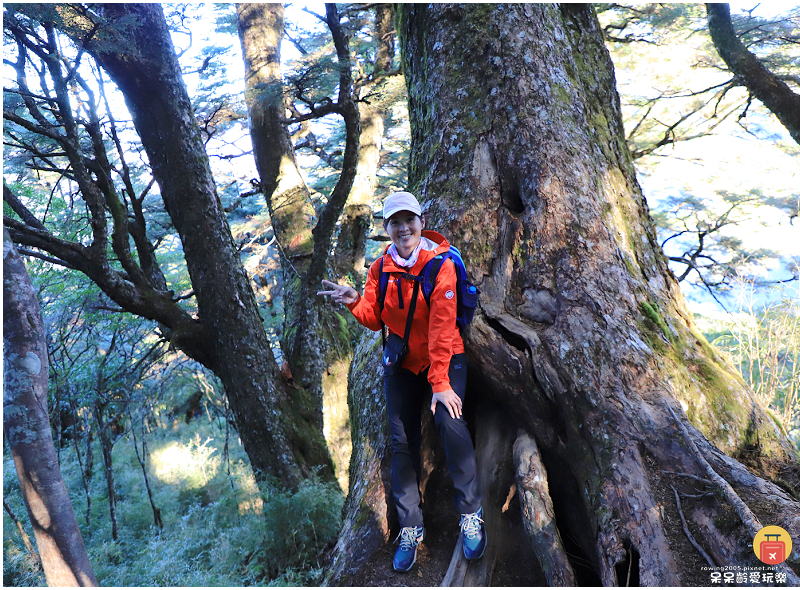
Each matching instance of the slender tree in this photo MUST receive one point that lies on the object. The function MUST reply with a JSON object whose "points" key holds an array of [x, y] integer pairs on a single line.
{"points": [[305, 253], [357, 219], [583, 340], [27, 429], [314, 341]]}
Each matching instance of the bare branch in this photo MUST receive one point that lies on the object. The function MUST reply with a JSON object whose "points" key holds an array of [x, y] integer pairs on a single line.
{"points": [[748, 519], [50, 259], [70, 252], [33, 127], [315, 15], [689, 475]]}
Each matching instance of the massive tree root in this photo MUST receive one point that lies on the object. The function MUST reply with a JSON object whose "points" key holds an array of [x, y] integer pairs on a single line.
{"points": [[628, 534]]}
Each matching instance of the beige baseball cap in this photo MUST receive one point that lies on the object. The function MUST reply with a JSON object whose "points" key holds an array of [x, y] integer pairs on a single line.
{"points": [[400, 201]]}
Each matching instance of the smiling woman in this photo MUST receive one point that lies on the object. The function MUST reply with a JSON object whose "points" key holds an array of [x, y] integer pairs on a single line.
{"points": [[426, 363], [403, 221]]}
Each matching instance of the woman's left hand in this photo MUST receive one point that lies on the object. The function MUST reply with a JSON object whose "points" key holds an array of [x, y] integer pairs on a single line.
{"points": [[451, 401]]}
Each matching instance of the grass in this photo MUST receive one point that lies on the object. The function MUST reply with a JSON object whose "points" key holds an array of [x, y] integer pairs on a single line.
{"points": [[763, 341], [219, 529]]}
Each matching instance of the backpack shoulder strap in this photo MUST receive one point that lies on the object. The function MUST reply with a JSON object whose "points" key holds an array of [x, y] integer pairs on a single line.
{"points": [[430, 273], [383, 283]]}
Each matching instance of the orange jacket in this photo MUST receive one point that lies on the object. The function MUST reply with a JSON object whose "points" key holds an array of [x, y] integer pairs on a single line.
{"points": [[434, 337]]}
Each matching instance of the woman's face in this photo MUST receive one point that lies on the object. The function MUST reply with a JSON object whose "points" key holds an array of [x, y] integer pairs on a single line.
{"points": [[405, 230]]}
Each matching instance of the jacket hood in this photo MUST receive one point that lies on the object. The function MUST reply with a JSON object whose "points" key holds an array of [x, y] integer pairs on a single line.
{"points": [[424, 255]]}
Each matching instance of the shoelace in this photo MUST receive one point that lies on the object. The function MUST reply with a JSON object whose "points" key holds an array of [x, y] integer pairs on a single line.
{"points": [[409, 537], [471, 525]]}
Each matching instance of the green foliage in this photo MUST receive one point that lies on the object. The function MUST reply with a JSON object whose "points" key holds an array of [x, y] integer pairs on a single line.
{"points": [[9, 212], [219, 529], [19, 567], [301, 524]]}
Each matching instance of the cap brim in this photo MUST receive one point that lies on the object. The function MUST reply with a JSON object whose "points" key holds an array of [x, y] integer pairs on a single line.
{"points": [[390, 212]]}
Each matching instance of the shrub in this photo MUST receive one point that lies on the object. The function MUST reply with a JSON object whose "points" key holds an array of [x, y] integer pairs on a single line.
{"points": [[219, 529]]}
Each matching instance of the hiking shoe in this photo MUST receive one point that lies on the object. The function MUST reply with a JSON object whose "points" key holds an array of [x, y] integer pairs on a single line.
{"points": [[474, 534], [406, 554]]}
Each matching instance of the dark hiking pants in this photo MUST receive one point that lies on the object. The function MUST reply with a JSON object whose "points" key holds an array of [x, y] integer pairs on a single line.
{"points": [[405, 394]]}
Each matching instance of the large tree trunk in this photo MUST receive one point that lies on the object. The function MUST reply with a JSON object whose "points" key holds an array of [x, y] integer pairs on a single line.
{"points": [[276, 423], [27, 430], [583, 336], [315, 339]]}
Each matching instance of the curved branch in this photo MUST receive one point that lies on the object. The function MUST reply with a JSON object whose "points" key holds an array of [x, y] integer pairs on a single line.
{"points": [[20, 209], [70, 252], [40, 256], [763, 84], [688, 534], [33, 127], [323, 231], [136, 297], [317, 112]]}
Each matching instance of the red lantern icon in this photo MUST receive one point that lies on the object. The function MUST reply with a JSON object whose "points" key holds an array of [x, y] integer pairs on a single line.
{"points": [[773, 552]]}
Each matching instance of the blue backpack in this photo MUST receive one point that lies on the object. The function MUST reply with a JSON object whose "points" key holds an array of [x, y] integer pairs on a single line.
{"points": [[466, 293]]}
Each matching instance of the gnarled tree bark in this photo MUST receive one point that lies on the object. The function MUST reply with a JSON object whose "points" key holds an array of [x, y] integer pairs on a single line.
{"points": [[583, 335]]}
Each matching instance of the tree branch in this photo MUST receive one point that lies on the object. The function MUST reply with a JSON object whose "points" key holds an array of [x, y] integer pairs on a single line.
{"points": [[317, 112], [33, 127], [50, 259], [323, 230], [70, 252], [748, 519], [688, 534], [20, 209], [763, 84]]}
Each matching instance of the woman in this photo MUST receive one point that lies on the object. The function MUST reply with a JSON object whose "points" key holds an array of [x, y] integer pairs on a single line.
{"points": [[434, 365]]}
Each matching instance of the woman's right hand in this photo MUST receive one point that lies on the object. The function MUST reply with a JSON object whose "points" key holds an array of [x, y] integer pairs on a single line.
{"points": [[339, 293]]}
